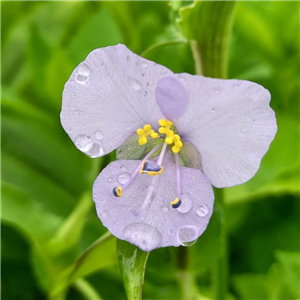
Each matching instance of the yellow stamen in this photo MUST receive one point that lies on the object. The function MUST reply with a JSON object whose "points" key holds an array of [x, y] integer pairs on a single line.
{"points": [[169, 140], [175, 149], [154, 135], [162, 122], [147, 127], [140, 131], [142, 140]]}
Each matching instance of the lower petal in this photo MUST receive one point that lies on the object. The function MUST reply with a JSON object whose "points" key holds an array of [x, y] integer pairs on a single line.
{"points": [[158, 225]]}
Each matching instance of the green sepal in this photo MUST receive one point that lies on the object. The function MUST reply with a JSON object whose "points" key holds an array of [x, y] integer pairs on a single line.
{"points": [[131, 149]]}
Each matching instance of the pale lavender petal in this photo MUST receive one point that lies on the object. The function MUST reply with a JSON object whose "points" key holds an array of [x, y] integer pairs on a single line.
{"points": [[109, 96], [159, 225], [172, 97], [231, 124]]}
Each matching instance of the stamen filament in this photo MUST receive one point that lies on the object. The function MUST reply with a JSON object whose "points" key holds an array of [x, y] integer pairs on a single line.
{"points": [[133, 175], [162, 153], [178, 175]]}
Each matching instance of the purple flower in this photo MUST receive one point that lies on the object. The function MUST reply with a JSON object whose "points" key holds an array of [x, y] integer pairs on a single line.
{"points": [[177, 134]]}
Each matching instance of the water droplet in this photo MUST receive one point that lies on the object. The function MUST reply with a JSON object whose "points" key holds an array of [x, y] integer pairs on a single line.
{"points": [[188, 244], [83, 72], [95, 151], [83, 142], [123, 178], [123, 169], [143, 235], [171, 231], [202, 211], [213, 110], [104, 214], [144, 64], [98, 135], [187, 234], [109, 179], [145, 94], [186, 204], [77, 113], [134, 84]]}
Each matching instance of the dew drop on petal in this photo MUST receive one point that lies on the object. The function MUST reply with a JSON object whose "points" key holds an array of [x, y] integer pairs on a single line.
{"points": [[123, 178], [83, 142], [202, 211], [83, 72], [134, 84], [186, 204], [188, 244], [98, 135], [144, 235], [144, 64], [95, 151], [123, 169], [77, 113], [187, 234], [110, 179]]}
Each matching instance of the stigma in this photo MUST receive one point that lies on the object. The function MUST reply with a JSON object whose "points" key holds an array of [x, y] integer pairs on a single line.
{"points": [[117, 191]]}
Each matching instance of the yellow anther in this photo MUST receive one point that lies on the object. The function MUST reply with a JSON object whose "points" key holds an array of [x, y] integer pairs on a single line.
{"points": [[162, 130], [170, 133], [147, 127], [154, 135], [169, 140], [118, 191], [176, 138], [169, 124], [154, 173], [162, 122], [175, 149], [140, 131], [178, 144], [142, 140]]}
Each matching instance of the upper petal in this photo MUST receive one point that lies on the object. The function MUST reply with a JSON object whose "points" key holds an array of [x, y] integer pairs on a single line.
{"points": [[109, 96], [172, 97], [231, 124], [159, 225]]}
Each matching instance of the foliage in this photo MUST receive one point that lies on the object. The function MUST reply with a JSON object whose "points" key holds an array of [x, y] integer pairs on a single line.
{"points": [[50, 231]]}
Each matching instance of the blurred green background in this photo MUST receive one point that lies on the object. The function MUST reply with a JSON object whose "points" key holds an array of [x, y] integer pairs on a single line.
{"points": [[48, 217]]}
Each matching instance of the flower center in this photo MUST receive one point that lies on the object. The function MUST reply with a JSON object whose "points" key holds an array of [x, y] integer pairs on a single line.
{"points": [[154, 167]]}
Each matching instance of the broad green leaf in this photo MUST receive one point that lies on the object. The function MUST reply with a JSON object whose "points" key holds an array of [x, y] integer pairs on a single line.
{"points": [[69, 233], [99, 255], [132, 263], [284, 276], [37, 224], [207, 25], [99, 31], [250, 286]]}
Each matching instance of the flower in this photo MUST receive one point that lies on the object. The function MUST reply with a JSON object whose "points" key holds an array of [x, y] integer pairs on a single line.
{"points": [[176, 134]]}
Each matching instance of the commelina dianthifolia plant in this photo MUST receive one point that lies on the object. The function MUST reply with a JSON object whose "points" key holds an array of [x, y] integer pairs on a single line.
{"points": [[176, 135]]}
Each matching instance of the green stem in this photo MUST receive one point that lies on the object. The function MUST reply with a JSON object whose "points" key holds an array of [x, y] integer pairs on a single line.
{"points": [[163, 44], [220, 270], [86, 290], [197, 57]]}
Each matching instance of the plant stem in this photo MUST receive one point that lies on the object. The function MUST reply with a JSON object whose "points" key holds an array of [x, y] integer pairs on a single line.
{"points": [[86, 290], [220, 270]]}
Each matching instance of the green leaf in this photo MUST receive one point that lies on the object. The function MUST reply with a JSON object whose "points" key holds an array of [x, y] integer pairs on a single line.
{"points": [[99, 31], [207, 24], [250, 286], [99, 255], [132, 263], [284, 276], [69, 233]]}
